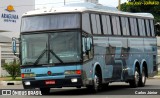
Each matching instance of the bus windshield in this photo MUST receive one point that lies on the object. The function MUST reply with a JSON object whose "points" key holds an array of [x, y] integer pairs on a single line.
{"points": [[50, 48]]}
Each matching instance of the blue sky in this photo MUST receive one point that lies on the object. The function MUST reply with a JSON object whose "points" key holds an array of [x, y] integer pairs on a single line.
{"points": [[57, 3]]}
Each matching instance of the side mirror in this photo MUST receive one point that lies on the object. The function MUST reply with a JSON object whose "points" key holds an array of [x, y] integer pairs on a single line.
{"points": [[14, 46], [157, 28], [89, 42], [84, 46]]}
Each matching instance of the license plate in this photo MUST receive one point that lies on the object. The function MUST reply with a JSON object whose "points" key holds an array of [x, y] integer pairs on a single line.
{"points": [[50, 82]]}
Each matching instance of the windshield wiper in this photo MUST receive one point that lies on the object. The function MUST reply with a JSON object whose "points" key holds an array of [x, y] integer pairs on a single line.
{"points": [[42, 54], [56, 56]]}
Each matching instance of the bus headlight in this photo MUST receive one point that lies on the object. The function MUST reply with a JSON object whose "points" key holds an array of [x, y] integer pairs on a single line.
{"points": [[27, 83]]}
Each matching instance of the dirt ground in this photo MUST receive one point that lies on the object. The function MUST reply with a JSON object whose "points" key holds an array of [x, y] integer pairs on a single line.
{"points": [[1, 79]]}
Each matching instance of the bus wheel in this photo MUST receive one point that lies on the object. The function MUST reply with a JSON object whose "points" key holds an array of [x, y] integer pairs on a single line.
{"points": [[134, 83], [142, 80], [95, 87], [78, 86], [96, 83], [45, 91], [105, 86]]}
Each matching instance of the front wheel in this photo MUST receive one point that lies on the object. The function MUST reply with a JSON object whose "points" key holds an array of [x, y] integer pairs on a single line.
{"points": [[96, 84], [143, 78], [134, 83]]}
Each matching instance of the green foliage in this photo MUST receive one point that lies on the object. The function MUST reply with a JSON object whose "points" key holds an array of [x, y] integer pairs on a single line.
{"points": [[11, 79], [158, 73], [13, 68], [147, 6]]}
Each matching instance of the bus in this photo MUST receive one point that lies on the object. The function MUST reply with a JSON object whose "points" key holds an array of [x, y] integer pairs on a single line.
{"points": [[86, 46]]}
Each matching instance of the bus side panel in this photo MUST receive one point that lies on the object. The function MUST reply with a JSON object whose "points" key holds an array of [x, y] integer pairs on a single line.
{"points": [[100, 44], [102, 55], [136, 52], [87, 73], [150, 49], [117, 55]]}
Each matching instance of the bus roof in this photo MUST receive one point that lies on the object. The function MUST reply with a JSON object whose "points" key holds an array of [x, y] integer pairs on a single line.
{"points": [[85, 7]]}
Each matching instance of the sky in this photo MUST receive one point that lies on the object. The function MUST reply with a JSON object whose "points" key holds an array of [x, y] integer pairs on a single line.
{"points": [[58, 3]]}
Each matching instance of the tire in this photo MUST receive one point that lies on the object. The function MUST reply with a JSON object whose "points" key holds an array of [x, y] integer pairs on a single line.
{"points": [[45, 91], [142, 81], [135, 82], [105, 86], [78, 87], [97, 84]]}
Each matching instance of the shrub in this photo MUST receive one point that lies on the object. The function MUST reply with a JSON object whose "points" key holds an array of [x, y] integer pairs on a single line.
{"points": [[13, 68]]}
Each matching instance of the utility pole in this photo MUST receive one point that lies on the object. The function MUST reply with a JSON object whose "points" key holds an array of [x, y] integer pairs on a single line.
{"points": [[64, 2], [119, 5]]}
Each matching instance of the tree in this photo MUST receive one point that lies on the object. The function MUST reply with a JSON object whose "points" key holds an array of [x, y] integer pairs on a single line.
{"points": [[146, 6], [13, 68]]}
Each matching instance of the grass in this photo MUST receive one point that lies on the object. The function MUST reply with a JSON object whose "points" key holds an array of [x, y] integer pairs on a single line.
{"points": [[158, 73], [10, 79]]}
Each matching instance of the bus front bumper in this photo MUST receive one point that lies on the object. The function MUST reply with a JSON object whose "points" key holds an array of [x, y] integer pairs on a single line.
{"points": [[52, 83]]}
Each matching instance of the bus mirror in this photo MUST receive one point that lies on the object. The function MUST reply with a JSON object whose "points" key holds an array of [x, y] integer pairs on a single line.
{"points": [[14, 47], [88, 44], [84, 45], [157, 28]]}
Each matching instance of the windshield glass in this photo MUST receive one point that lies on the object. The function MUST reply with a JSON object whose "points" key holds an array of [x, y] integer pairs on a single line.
{"points": [[51, 48], [50, 22]]}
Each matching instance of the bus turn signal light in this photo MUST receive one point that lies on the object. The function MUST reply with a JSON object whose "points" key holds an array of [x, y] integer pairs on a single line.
{"points": [[22, 75], [28, 75], [78, 72]]}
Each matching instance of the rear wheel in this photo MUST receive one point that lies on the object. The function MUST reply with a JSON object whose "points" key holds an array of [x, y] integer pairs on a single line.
{"points": [[134, 83], [142, 80], [45, 91]]}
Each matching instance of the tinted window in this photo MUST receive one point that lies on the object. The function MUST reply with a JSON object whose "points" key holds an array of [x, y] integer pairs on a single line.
{"points": [[141, 27], [106, 24], [116, 25], [93, 21], [86, 23], [125, 26], [50, 22], [133, 25], [147, 28], [98, 24], [152, 27]]}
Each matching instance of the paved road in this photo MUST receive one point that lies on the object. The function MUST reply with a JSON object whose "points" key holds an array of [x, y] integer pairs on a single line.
{"points": [[122, 89]]}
